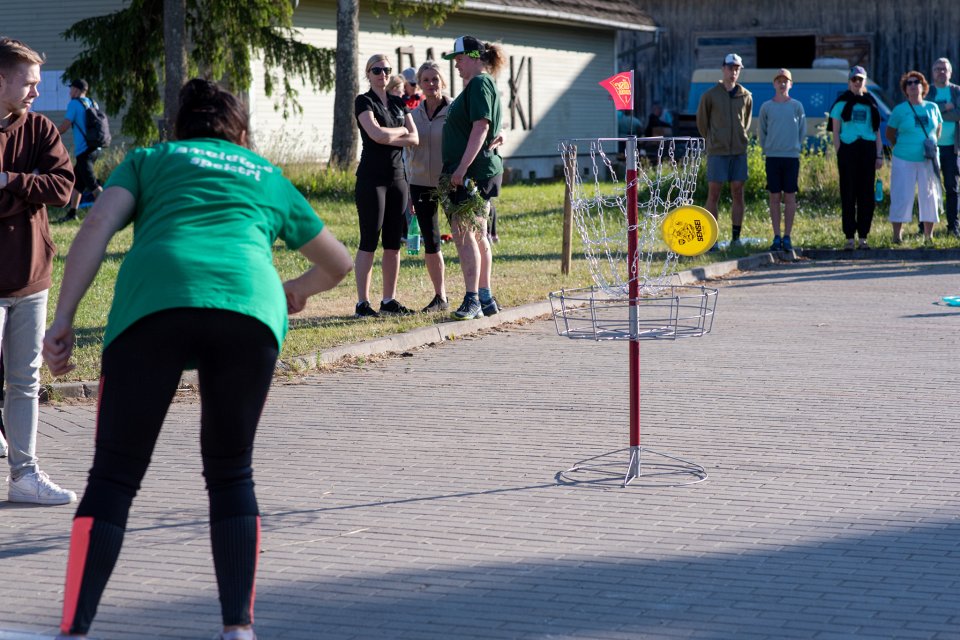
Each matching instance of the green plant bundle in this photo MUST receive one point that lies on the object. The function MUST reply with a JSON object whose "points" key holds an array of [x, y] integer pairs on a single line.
{"points": [[469, 213]]}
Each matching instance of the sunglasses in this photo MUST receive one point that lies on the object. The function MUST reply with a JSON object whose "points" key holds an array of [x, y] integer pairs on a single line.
{"points": [[381, 71], [910, 82], [858, 79]]}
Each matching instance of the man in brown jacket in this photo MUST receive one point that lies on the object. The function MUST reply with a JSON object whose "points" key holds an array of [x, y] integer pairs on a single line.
{"points": [[34, 172], [723, 118]]}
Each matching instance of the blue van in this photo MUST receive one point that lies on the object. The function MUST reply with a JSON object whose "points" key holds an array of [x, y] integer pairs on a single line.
{"points": [[816, 89]]}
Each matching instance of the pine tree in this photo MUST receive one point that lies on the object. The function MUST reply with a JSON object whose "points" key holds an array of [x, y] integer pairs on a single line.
{"points": [[124, 55]]}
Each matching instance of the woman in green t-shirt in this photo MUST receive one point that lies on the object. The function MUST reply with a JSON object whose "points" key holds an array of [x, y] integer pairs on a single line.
{"points": [[197, 289], [471, 136]]}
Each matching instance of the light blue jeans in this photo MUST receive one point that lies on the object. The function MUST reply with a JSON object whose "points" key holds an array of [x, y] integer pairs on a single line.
{"points": [[22, 322]]}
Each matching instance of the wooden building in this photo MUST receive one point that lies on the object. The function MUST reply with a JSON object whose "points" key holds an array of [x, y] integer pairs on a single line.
{"points": [[887, 37]]}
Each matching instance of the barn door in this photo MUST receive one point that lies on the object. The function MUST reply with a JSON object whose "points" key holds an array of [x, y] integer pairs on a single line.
{"points": [[521, 110]]}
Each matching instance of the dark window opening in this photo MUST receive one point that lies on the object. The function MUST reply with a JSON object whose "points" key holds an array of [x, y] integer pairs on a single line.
{"points": [[792, 52]]}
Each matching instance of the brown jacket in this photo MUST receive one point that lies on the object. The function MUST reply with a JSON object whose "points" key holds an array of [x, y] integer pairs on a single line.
{"points": [[723, 120], [39, 173]]}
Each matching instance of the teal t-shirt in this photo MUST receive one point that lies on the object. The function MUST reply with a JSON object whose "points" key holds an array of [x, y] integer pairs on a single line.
{"points": [[910, 133], [859, 127], [478, 100], [949, 127], [207, 214]]}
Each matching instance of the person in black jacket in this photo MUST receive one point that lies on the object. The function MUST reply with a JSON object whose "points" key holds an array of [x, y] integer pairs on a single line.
{"points": [[855, 120], [386, 126]]}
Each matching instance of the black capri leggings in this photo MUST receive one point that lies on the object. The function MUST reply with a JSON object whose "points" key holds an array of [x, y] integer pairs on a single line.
{"points": [[235, 356], [381, 207], [426, 205]]}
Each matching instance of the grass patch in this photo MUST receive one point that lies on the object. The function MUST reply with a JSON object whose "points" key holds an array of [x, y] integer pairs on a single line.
{"points": [[526, 260]]}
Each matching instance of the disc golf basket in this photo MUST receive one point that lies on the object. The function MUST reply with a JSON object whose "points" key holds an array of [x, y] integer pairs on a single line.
{"points": [[635, 295]]}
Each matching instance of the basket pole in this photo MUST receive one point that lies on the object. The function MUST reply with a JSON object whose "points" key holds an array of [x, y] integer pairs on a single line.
{"points": [[634, 289]]}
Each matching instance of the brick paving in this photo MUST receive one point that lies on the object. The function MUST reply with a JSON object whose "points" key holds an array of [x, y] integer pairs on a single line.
{"points": [[407, 499]]}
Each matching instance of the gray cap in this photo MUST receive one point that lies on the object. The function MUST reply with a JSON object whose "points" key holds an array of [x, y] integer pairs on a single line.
{"points": [[410, 75]]}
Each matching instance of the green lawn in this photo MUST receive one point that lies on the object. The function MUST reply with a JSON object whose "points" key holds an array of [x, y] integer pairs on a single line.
{"points": [[526, 264]]}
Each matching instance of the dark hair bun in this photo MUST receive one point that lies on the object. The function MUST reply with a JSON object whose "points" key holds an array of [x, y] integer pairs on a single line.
{"points": [[198, 93]]}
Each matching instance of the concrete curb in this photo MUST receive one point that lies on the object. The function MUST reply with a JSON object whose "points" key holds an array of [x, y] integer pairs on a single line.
{"points": [[423, 336]]}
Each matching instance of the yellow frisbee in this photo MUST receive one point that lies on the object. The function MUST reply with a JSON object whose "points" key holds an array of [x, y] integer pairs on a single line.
{"points": [[689, 230]]}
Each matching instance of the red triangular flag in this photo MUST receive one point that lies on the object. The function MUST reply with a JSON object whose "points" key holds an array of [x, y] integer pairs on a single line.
{"points": [[620, 87]]}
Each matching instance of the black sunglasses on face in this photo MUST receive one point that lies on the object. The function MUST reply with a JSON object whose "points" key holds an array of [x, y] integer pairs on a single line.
{"points": [[381, 71], [910, 82], [857, 80]]}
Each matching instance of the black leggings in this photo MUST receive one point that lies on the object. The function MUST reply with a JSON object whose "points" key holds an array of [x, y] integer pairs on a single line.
{"points": [[235, 356], [857, 166], [426, 205], [381, 207]]}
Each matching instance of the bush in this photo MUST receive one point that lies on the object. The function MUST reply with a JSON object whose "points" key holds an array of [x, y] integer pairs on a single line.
{"points": [[315, 180]]}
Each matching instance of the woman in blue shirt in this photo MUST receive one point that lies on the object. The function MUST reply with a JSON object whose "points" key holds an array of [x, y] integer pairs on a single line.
{"points": [[911, 124], [855, 120]]}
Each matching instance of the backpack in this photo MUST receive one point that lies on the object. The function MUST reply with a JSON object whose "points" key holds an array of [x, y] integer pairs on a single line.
{"points": [[97, 126]]}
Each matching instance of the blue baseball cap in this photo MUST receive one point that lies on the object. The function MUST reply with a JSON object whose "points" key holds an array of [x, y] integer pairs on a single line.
{"points": [[857, 72]]}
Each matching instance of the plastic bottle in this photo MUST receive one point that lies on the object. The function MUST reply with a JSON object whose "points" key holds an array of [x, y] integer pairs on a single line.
{"points": [[878, 195], [413, 235]]}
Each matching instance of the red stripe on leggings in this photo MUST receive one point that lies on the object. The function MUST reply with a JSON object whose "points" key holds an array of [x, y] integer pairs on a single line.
{"points": [[79, 545], [256, 560], [96, 424]]}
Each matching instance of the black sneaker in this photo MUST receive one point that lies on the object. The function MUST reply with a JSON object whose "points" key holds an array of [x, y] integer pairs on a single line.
{"points": [[364, 310], [491, 308], [469, 310], [394, 308], [437, 304]]}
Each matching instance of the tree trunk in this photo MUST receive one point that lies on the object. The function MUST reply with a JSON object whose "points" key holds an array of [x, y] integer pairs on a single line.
{"points": [[343, 148], [175, 61]]}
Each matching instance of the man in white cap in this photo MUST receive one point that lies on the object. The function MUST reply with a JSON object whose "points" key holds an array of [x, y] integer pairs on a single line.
{"points": [[723, 118]]}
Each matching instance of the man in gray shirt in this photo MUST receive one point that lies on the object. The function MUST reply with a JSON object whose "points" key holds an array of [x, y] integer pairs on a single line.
{"points": [[947, 96], [783, 126]]}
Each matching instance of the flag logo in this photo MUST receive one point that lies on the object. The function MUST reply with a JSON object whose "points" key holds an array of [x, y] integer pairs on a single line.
{"points": [[620, 88]]}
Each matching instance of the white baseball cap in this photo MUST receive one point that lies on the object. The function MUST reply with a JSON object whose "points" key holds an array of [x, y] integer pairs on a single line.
{"points": [[732, 59]]}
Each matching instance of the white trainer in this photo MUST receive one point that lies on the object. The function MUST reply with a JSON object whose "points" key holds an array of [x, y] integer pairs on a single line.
{"points": [[38, 488]]}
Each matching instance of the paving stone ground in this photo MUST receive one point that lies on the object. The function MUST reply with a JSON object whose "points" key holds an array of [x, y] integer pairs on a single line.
{"points": [[418, 497]]}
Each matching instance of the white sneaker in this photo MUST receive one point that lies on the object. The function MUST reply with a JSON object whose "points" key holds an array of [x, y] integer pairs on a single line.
{"points": [[238, 634], [38, 488]]}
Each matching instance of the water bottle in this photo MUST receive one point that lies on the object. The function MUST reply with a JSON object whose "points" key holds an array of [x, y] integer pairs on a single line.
{"points": [[469, 186], [413, 235], [878, 194]]}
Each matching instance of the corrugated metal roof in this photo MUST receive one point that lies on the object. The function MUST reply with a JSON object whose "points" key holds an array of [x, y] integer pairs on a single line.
{"points": [[626, 15]]}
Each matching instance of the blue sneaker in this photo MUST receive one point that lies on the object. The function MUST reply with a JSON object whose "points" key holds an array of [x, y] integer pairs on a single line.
{"points": [[777, 244], [787, 245], [491, 308], [469, 310]]}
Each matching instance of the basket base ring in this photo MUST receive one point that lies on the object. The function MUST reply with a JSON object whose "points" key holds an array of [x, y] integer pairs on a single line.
{"points": [[606, 469]]}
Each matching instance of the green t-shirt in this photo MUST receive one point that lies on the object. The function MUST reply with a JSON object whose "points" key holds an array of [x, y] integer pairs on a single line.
{"points": [[949, 126], [910, 133], [859, 127], [207, 214], [479, 100]]}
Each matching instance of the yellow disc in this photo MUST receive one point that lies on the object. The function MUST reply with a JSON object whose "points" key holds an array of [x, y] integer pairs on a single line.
{"points": [[689, 230]]}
